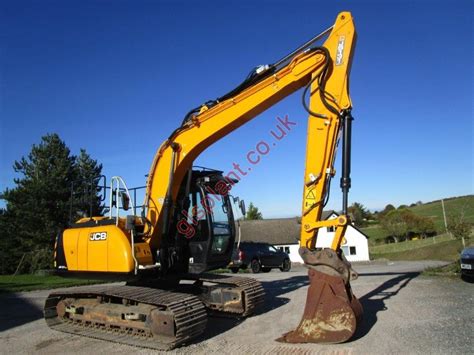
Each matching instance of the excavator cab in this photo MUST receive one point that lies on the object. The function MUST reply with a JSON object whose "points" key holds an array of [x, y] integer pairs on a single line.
{"points": [[206, 221]]}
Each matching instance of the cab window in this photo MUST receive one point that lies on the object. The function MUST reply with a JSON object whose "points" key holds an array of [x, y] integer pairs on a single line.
{"points": [[221, 229]]}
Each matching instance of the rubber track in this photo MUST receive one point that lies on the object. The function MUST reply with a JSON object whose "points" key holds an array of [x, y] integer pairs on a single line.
{"points": [[189, 314], [254, 294]]}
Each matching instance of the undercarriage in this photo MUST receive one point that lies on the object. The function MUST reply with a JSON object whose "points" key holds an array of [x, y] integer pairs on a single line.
{"points": [[150, 317]]}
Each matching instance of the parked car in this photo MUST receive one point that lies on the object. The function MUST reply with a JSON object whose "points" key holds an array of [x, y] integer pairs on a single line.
{"points": [[259, 257], [467, 262]]}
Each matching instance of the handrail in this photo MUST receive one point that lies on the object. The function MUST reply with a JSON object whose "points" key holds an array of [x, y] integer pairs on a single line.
{"points": [[118, 180], [118, 190]]}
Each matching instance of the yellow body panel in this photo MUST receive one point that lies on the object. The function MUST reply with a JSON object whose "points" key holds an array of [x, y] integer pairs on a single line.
{"points": [[83, 248], [102, 249], [70, 246]]}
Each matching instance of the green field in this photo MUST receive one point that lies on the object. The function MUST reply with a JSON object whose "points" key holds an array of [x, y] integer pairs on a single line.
{"points": [[433, 210], [408, 245], [10, 283], [447, 250], [375, 233], [453, 205]]}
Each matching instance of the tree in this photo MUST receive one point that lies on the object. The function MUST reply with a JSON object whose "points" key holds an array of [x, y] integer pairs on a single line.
{"points": [[394, 223], [7, 244], [459, 227], [418, 225], [424, 226], [86, 186], [359, 214], [388, 208], [39, 203], [253, 213], [39, 206], [384, 212], [401, 223]]}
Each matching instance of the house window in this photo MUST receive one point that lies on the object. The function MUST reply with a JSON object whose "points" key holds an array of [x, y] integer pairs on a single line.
{"points": [[331, 229], [352, 251]]}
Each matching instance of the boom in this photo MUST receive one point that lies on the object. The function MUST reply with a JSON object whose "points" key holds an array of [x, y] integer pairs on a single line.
{"points": [[324, 69]]}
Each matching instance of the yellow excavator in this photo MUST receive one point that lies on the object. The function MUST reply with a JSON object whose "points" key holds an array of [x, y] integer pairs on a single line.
{"points": [[187, 226]]}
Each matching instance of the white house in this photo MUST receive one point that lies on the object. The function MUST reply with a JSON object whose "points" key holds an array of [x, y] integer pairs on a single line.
{"points": [[284, 233]]}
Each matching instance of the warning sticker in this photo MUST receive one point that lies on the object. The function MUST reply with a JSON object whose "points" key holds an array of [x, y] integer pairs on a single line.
{"points": [[309, 199]]}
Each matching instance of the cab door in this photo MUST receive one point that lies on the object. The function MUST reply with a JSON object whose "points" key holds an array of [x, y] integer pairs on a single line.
{"points": [[222, 231], [211, 245]]}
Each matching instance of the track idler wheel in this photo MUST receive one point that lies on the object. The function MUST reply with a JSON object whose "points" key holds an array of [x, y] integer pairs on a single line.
{"points": [[331, 313]]}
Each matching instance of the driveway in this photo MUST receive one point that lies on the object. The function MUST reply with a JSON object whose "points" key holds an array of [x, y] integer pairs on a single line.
{"points": [[405, 312]]}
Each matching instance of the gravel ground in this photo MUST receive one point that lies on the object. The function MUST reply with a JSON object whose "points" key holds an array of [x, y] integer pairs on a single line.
{"points": [[404, 313]]}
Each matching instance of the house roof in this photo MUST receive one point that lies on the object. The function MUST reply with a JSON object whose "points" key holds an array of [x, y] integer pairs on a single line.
{"points": [[274, 231]]}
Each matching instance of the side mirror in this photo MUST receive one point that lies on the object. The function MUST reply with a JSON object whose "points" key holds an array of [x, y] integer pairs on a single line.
{"points": [[125, 201], [242, 207]]}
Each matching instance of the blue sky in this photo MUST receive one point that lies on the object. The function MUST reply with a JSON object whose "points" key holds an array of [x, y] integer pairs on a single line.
{"points": [[116, 77]]}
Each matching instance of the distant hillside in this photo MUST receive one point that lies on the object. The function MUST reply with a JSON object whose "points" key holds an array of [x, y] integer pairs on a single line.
{"points": [[434, 210], [454, 205]]}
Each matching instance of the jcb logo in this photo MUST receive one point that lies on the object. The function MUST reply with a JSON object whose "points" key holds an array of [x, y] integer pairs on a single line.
{"points": [[98, 236], [340, 50]]}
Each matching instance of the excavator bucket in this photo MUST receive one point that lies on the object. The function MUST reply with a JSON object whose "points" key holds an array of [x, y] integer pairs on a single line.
{"points": [[331, 314]]}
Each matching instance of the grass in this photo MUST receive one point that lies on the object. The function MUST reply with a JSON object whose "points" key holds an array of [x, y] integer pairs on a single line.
{"points": [[453, 205], [433, 210], [375, 233], [10, 283], [447, 250], [450, 270], [408, 245]]}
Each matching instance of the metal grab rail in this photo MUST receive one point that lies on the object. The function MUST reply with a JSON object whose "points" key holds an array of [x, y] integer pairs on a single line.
{"points": [[132, 190], [115, 182]]}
